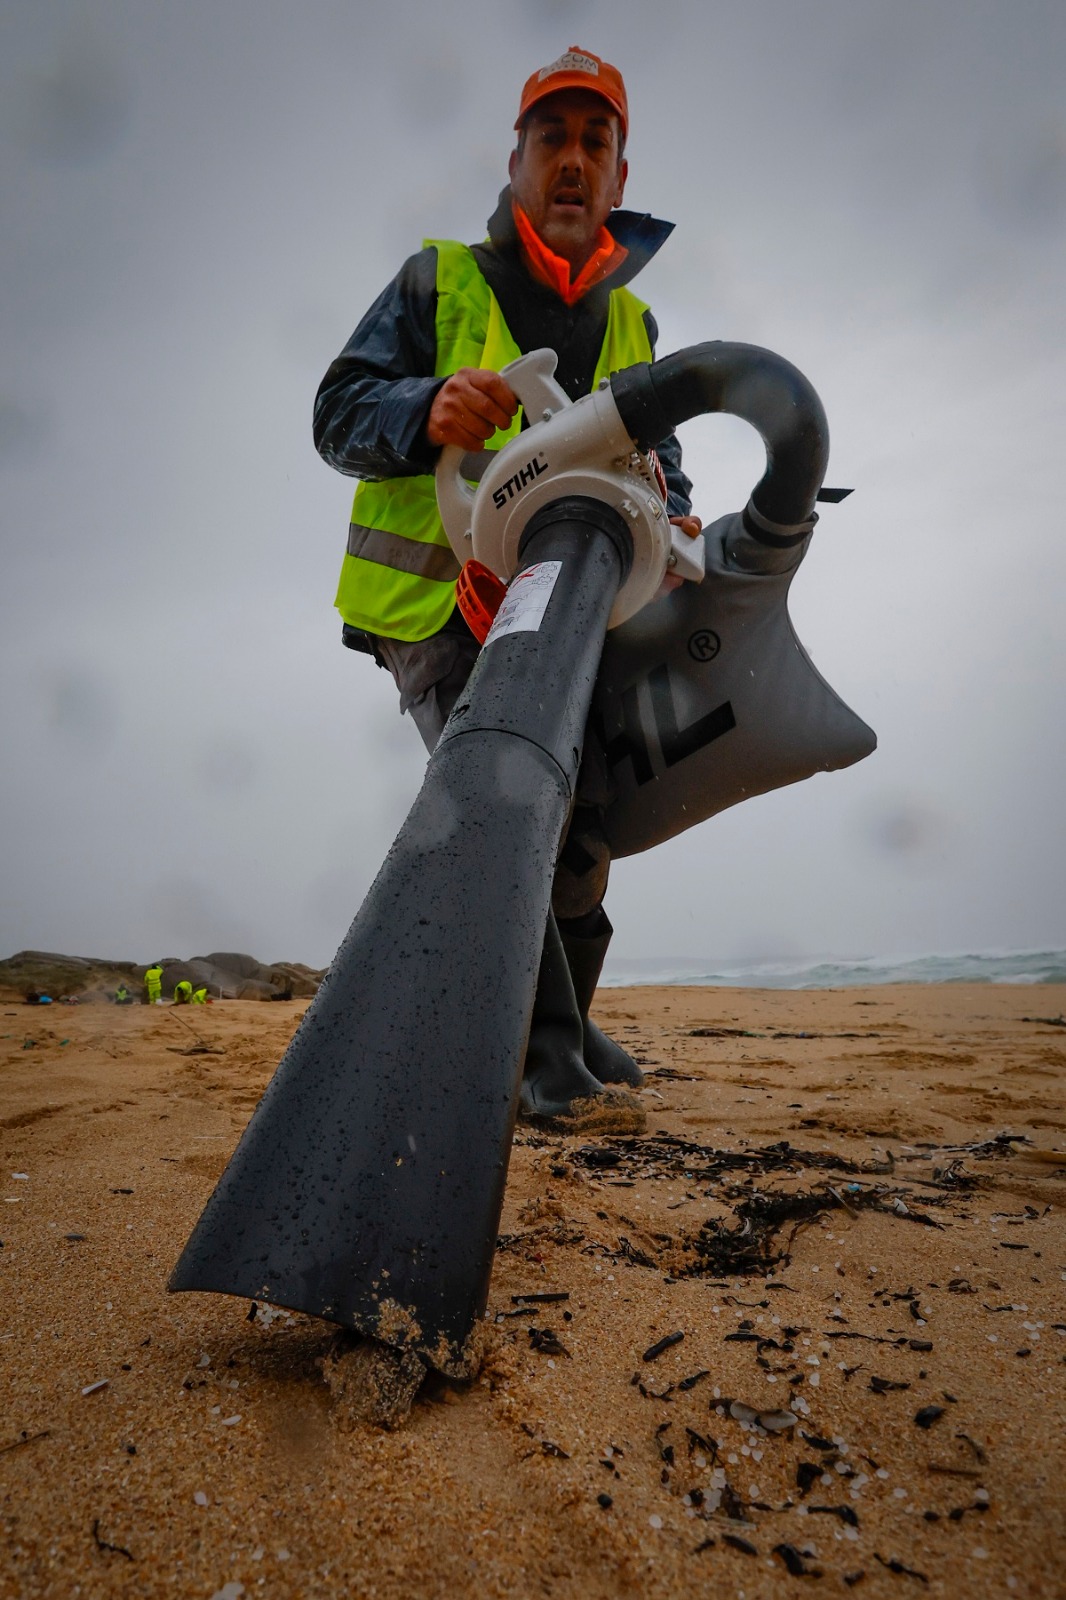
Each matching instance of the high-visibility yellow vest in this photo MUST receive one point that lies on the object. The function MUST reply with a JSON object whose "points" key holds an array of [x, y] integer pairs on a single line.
{"points": [[399, 572]]}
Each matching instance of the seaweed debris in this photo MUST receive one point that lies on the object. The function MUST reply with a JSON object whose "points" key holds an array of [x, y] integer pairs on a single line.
{"points": [[745, 1242], [547, 1342], [735, 1542], [751, 1247], [897, 1566], [25, 1438], [105, 1544], [660, 1345], [669, 1154], [998, 1146], [794, 1561]]}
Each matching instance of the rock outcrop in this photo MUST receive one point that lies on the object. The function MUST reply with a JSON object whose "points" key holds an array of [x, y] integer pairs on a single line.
{"points": [[227, 975]]}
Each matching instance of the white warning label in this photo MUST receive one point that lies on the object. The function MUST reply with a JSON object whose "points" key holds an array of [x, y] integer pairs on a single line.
{"points": [[526, 601]]}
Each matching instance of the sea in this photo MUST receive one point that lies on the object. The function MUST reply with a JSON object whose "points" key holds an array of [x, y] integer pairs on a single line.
{"points": [[995, 966]]}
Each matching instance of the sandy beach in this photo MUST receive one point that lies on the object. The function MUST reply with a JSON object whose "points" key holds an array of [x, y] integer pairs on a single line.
{"points": [[844, 1218]]}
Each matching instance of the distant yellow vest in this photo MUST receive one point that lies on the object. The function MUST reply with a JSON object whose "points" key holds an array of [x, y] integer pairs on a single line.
{"points": [[399, 572]]}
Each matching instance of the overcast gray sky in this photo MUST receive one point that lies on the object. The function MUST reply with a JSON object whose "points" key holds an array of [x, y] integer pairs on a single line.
{"points": [[200, 201]]}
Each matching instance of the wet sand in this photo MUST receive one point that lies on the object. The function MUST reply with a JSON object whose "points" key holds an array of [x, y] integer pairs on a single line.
{"points": [[875, 1269]]}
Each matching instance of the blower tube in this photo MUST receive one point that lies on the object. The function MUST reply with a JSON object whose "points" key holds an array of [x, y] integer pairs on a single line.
{"points": [[766, 391], [366, 1189]]}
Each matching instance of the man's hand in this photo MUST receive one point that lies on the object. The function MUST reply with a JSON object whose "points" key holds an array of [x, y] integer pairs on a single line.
{"points": [[693, 527], [469, 408]]}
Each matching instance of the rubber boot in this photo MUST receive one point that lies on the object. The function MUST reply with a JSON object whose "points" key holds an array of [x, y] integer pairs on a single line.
{"points": [[585, 953], [556, 1079]]}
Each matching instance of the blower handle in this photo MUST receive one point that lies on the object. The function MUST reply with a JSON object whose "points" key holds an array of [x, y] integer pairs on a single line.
{"points": [[532, 380]]}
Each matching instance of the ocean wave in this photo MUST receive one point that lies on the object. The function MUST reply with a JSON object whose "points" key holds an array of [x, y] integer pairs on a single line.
{"points": [[1013, 966]]}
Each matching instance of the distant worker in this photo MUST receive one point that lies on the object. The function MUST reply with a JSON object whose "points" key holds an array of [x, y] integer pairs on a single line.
{"points": [[153, 983], [123, 996], [199, 997], [182, 992]]}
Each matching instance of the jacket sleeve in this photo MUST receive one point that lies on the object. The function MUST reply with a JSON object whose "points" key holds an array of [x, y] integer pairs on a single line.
{"points": [[371, 408], [678, 486]]}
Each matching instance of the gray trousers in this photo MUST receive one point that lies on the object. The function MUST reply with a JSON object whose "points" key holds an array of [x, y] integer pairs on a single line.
{"points": [[430, 675]]}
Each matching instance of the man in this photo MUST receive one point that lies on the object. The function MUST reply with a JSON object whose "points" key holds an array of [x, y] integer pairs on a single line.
{"points": [[420, 372], [153, 983]]}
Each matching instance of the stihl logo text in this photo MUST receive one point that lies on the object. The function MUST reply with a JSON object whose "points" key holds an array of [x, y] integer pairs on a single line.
{"points": [[521, 480]]}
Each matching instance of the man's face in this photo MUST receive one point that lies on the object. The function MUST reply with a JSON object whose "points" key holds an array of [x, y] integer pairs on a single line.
{"points": [[567, 176]]}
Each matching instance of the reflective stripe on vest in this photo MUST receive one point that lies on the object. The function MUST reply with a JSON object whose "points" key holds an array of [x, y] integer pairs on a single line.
{"points": [[399, 572], [393, 550]]}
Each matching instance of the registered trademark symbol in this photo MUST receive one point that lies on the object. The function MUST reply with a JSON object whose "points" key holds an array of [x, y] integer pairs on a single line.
{"points": [[704, 645]]}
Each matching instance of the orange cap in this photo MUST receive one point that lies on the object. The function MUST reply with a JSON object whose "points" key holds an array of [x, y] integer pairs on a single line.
{"points": [[577, 69], [480, 594]]}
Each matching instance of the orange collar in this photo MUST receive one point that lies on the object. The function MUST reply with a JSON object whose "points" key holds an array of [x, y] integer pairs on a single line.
{"points": [[554, 271]]}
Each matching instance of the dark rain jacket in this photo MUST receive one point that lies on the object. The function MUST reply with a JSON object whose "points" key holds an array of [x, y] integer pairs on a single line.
{"points": [[372, 408]]}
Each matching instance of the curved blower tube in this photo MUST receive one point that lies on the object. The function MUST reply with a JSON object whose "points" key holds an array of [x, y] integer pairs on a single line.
{"points": [[748, 382]]}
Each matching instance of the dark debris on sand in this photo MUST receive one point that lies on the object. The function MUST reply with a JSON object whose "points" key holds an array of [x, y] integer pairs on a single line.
{"points": [[746, 1243]]}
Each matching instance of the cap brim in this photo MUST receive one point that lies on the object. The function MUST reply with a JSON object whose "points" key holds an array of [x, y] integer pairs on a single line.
{"points": [[571, 80]]}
